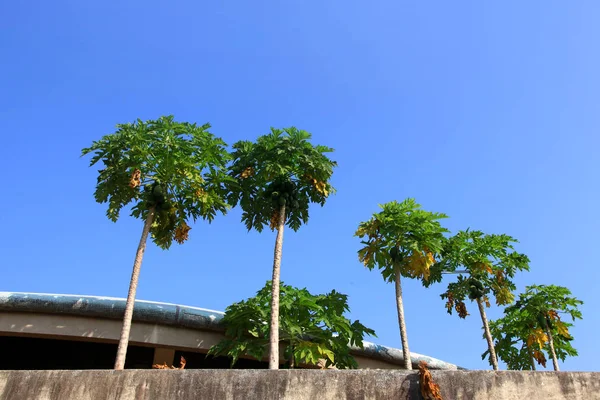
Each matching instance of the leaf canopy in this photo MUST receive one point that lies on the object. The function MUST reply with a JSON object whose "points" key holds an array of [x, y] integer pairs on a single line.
{"points": [[281, 167], [522, 329], [404, 236], [489, 260], [312, 327], [177, 168]]}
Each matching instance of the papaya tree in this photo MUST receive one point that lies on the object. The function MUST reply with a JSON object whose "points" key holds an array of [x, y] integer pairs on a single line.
{"points": [[276, 179], [488, 264], [533, 325], [402, 240], [170, 173], [312, 328]]}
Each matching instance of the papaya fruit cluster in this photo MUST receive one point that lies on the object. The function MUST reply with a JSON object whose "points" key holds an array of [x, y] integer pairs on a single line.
{"points": [[544, 321], [283, 192], [166, 212], [476, 289], [395, 254], [156, 196]]}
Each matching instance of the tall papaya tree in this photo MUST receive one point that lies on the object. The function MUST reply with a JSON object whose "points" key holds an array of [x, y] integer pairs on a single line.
{"points": [[170, 172], [488, 264], [533, 325], [402, 240], [276, 179]]}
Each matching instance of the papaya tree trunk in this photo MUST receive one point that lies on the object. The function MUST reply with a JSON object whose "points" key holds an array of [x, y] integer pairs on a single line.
{"points": [[531, 359], [137, 266], [552, 352], [401, 322], [292, 360], [488, 335], [274, 327]]}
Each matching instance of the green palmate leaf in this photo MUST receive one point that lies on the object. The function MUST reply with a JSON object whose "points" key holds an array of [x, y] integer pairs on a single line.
{"points": [[521, 331], [312, 327], [176, 168], [280, 168]]}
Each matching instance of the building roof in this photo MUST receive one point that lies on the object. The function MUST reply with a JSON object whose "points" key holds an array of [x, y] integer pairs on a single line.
{"points": [[167, 314]]}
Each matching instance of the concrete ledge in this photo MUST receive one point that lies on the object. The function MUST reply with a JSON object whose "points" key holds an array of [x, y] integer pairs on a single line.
{"points": [[292, 385]]}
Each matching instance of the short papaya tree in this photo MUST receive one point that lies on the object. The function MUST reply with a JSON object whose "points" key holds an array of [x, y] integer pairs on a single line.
{"points": [[171, 172], [510, 336], [277, 178], [489, 263], [402, 240], [313, 328], [533, 325]]}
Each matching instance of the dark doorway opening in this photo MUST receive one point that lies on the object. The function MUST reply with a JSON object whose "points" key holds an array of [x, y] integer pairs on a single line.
{"points": [[27, 353]]}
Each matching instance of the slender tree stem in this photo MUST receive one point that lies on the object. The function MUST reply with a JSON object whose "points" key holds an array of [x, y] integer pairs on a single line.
{"points": [[552, 352], [274, 327], [135, 275], [488, 335], [401, 322], [292, 364], [531, 359]]}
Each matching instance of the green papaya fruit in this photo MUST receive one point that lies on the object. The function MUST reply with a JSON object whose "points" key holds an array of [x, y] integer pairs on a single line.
{"points": [[541, 319], [394, 254], [477, 284], [158, 193], [282, 201]]}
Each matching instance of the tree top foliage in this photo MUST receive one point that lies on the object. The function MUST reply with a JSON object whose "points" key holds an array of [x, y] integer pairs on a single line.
{"points": [[404, 236], [489, 260], [280, 168], [177, 169], [521, 334]]}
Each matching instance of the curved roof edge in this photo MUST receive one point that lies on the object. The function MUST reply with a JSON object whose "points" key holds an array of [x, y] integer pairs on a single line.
{"points": [[168, 314]]}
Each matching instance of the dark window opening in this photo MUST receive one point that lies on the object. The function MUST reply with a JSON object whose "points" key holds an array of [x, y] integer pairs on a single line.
{"points": [[202, 361], [29, 353], [25, 353]]}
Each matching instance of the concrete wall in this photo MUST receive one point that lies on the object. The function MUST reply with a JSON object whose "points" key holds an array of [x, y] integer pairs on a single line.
{"points": [[292, 385]]}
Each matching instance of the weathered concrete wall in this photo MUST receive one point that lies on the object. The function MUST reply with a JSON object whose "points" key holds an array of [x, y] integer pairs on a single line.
{"points": [[292, 385]]}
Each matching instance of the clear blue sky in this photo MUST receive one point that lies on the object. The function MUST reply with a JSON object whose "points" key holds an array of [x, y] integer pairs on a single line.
{"points": [[487, 112]]}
